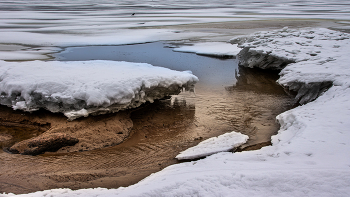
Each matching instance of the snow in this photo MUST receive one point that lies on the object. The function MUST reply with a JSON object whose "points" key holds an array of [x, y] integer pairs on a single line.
{"points": [[222, 143], [317, 52], [310, 153], [309, 156], [81, 88], [218, 49], [78, 23]]}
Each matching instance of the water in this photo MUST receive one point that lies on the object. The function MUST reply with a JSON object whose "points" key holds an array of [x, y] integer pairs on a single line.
{"points": [[210, 71], [31, 30], [227, 98]]}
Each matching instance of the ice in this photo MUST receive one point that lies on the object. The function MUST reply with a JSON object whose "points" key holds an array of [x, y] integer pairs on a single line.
{"points": [[19, 55], [222, 143], [310, 153], [216, 49], [81, 88], [77, 23], [315, 57], [122, 36]]}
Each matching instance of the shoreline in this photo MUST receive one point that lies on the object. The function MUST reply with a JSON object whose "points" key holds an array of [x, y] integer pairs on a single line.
{"points": [[97, 173], [186, 125]]}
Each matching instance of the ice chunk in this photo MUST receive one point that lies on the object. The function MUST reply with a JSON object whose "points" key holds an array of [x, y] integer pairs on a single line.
{"points": [[81, 88], [216, 49], [222, 143]]}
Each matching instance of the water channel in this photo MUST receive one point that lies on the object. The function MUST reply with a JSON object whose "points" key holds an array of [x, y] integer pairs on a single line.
{"points": [[227, 98]]}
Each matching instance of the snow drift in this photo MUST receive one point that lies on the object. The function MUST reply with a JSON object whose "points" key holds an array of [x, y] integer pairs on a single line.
{"points": [[87, 87]]}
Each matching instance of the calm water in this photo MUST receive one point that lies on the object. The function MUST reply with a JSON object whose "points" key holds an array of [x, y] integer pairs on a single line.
{"points": [[211, 71]]}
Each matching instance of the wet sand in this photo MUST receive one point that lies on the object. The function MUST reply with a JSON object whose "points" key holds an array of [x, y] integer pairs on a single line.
{"points": [[247, 103]]}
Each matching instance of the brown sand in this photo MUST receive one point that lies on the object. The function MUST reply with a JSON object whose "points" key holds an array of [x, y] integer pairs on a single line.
{"points": [[92, 132]]}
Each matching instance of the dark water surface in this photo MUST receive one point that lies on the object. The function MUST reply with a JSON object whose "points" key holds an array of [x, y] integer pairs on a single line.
{"points": [[227, 98]]}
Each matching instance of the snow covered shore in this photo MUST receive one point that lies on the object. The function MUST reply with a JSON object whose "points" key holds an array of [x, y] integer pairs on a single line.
{"points": [[309, 155], [88, 87], [316, 58]]}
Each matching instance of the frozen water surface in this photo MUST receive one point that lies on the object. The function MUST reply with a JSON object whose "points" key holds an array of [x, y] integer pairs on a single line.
{"points": [[67, 23]]}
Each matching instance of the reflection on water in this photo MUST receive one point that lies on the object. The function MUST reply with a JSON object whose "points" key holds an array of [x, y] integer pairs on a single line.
{"points": [[222, 103], [258, 100], [257, 80]]}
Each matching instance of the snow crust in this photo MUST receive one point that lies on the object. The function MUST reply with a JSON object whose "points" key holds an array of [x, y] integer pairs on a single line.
{"points": [[81, 88], [222, 143], [217, 49]]}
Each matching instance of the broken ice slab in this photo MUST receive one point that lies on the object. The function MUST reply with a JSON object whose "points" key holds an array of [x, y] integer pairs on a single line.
{"points": [[222, 143]]}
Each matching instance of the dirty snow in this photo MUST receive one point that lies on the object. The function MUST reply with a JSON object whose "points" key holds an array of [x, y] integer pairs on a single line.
{"points": [[81, 88], [222, 143]]}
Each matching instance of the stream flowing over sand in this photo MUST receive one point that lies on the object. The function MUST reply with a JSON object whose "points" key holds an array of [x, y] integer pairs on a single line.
{"points": [[155, 133]]}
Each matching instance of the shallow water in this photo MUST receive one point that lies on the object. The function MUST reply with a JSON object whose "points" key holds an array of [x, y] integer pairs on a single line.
{"points": [[227, 98]]}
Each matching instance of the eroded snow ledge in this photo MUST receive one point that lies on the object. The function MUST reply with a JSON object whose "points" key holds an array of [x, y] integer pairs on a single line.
{"points": [[81, 88], [315, 58]]}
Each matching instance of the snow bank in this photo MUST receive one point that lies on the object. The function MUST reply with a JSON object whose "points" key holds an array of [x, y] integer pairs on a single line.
{"points": [[316, 53], [216, 49], [222, 143], [315, 57], [86, 87]]}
